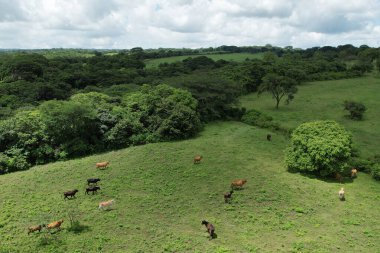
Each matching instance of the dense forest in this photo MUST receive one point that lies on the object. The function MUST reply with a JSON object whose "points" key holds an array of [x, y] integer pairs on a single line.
{"points": [[59, 104]]}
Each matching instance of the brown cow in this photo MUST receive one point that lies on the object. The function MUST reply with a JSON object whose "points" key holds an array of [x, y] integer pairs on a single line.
{"points": [[238, 183], [269, 137], [197, 159], [354, 173], [35, 228], [55, 224], [210, 228], [102, 164]]}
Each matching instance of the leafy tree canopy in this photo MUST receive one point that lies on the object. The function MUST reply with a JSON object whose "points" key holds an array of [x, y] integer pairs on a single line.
{"points": [[319, 146]]}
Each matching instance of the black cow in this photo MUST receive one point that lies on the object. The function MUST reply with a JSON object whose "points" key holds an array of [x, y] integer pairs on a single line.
{"points": [[92, 189], [93, 181], [70, 194]]}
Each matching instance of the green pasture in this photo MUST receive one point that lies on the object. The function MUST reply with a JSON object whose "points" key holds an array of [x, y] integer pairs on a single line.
{"points": [[237, 57], [162, 197], [324, 100]]}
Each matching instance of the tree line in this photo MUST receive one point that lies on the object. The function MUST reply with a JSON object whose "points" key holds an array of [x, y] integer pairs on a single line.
{"points": [[65, 107]]}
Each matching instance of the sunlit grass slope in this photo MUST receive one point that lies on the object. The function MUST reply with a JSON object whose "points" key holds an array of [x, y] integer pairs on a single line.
{"points": [[324, 100], [162, 197], [237, 57]]}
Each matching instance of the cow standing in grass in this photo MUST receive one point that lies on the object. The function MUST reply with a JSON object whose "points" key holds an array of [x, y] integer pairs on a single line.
{"points": [[238, 183], [35, 228], [228, 196], [102, 164], [55, 224], [354, 173], [210, 228], [70, 194], [197, 159], [106, 204], [92, 189], [93, 181], [342, 194]]}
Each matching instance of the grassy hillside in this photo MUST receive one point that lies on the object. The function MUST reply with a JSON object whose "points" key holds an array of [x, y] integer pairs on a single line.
{"points": [[324, 100], [161, 198], [237, 57]]}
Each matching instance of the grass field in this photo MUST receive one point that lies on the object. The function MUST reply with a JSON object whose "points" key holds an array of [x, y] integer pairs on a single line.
{"points": [[162, 197], [324, 100], [237, 57]]}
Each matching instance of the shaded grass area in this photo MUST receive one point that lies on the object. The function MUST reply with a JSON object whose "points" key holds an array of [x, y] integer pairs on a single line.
{"points": [[237, 57], [324, 100], [162, 197]]}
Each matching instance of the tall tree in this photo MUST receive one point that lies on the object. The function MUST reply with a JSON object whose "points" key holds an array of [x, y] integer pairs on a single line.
{"points": [[279, 86]]}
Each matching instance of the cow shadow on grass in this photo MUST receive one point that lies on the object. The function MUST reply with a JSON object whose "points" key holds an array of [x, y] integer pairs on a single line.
{"points": [[76, 227]]}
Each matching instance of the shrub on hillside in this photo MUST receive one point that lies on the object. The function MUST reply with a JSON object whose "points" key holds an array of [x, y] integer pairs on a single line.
{"points": [[355, 109], [319, 146], [256, 118], [375, 171]]}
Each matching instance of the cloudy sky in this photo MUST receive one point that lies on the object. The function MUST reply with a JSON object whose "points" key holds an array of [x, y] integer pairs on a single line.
{"points": [[187, 23]]}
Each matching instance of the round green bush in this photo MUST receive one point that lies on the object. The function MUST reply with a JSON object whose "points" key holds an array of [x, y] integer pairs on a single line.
{"points": [[319, 146]]}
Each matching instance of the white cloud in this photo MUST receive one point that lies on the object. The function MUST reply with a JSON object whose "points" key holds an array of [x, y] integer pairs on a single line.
{"points": [[187, 23]]}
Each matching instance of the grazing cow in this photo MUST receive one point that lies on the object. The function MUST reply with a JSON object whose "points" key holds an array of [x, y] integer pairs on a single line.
{"points": [[35, 228], [92, 189], [228, 196], [105, 204], [197, 159], [238, 183], [93, 181], [210, 228], [55, 224], [269, 137], [70, 194], [354, 173], [341, 194], [339, 177], [102, 164]]}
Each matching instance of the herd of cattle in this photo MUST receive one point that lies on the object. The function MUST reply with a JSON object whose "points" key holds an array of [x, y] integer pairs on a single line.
{"points": [[93, 187]]}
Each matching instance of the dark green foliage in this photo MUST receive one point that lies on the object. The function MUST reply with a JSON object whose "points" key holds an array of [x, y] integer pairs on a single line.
{"points": [[248, 74], [215, 94], [279, 86], [26, 67], [72, 126], [355, 109], [128, 131], [198, 63], [256, 118], [93, 122], [166, 112], [23, 137], [361, 164], [375, 171], [319, 146]]}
